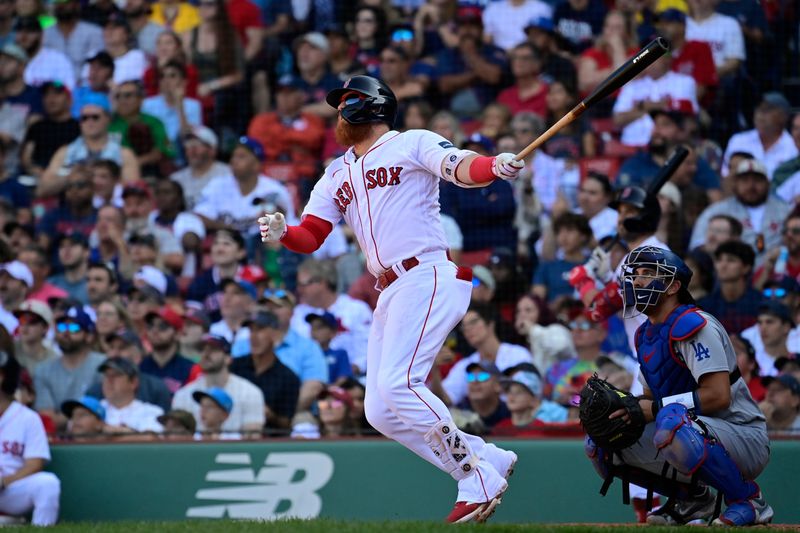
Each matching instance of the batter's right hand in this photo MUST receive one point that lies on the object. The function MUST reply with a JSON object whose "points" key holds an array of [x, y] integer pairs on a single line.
{"points": [[272, 226], [507, 167]]}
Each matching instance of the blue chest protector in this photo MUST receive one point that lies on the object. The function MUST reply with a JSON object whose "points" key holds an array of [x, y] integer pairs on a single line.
{"points": [[663, 367]]}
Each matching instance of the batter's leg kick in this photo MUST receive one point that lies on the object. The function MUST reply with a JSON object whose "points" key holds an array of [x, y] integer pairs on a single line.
{"points": [[401, 351]]}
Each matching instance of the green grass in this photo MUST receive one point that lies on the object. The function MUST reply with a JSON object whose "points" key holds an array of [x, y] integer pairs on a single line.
{"points": [[341, 526]]}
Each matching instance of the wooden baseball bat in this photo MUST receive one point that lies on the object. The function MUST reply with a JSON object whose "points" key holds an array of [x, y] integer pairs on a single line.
{"points": [[632, 68]]}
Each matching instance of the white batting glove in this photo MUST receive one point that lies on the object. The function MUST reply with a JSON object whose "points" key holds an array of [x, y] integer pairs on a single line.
{"points": [[506, 167], [599, 264], [272, 226]]}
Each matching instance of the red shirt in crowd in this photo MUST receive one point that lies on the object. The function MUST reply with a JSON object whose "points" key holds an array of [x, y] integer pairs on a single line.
{"points": [[243, 14], [695, 60], [535, 102], [150, 81], [298, 142]]}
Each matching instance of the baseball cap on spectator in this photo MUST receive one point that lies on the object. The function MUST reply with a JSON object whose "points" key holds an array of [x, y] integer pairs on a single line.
{"points": [[315, 39], [775, 100], [216, 341], [15, 51], [252, 273], [55, 85], [245, 287], [39, 309], [279, 297], [127, 336], [529, 380], [263, 319], [28, 23], [197, 316], [482, 275], [289, 81], [541, 23], [326, 318], [152, 277], [486, 366], [121, 365], [103, 58], [676, 110], [185, 419], [235, 236], [149, 292], [671, 192], [481, 140], [253, 146], [788, 381], [501, 257], [217, 395], [336, 29], [776, 309], [19, 271], [783, 361], [469, 14], [168, 315], [138, 188], [205, 135], [780, 288], [671, 15], [77, 315], [751, 166], [89, 403], [96, 99], [337, 393], [143, 239], [117, 18], [615, 358]]}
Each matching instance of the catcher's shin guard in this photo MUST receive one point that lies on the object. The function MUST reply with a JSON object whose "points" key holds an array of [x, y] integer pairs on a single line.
{"points": [[604, 464], [685, 446]]}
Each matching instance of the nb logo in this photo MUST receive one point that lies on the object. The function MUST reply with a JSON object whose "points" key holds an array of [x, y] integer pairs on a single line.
{"points": [[700, 351]]}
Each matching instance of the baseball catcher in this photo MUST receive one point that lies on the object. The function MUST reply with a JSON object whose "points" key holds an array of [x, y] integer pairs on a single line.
{"points": [[696, 426]]}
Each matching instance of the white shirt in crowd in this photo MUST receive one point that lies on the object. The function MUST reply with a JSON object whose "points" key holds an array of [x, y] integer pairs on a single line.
{"points": [[130, 66], [504, 22], [193, 185], [722, 33], [508, 355], [49, 65], [455, 239], [672, 86], [248, 402], [789, 190], [222, 200], [333, 246], [604, 223], [137, 415], [749, 142], [766, 362], [22, 436], [356, 319]]}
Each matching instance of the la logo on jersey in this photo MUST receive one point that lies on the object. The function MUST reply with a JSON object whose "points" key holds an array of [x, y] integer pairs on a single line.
{"points": [[374, 177], [700, 351]]}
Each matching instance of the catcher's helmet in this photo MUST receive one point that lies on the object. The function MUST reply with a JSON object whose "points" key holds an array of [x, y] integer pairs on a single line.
{"points": [[378, 102], [650, 210], [664, 268]]}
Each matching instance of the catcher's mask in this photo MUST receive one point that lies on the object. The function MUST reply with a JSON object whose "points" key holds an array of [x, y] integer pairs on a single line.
{"points": [[647, 273]]}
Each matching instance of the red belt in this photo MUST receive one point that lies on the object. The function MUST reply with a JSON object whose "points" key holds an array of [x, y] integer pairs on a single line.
{"points": [[390, 276]]}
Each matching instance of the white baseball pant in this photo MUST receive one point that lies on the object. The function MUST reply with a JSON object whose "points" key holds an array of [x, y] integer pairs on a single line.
{"points": [[411, 321], [40, 492]]}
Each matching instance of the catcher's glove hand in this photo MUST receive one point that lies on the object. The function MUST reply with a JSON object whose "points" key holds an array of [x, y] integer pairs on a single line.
{"points": [[598, 400]]}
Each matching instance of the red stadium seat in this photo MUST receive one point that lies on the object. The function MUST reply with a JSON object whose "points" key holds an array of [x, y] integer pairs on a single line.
{"points": [[608, 166]]}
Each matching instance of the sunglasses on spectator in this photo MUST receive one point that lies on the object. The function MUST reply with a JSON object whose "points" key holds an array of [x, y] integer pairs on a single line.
{"points": [[78, 185], [158, 325], [476, 282], [120, 96], [583, 326], [389, 60], [774, 293], [67, 327], [92, 116], [480, 377], [139, 299], [305, 283], [792, 231], [403, 35]]}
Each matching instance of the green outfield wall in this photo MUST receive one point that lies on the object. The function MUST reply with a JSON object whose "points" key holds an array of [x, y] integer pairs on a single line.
{"points": [[357, 479]]}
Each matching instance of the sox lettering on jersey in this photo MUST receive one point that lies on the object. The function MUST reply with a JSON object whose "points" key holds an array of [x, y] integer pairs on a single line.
{"points": [[375, 177], [14, 448]]}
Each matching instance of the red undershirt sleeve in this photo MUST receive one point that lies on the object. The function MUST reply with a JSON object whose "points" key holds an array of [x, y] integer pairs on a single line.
{"points": [[308, 236]]}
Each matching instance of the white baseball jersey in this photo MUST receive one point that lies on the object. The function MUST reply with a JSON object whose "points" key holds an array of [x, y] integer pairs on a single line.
{"points": [[355, 317], [672, 86], [389, 196], [22, 437], [722, 33]]}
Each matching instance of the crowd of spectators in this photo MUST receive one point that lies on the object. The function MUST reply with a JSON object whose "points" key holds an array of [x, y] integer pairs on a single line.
{"points": [[139, 142]]}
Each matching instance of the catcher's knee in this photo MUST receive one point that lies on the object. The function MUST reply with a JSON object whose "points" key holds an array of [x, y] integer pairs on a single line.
{"points": [[450, 446], [598, 457], [681, 444]]}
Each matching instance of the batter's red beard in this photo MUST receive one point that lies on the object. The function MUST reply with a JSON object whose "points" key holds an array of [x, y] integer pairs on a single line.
{"points": [[351, 134]]}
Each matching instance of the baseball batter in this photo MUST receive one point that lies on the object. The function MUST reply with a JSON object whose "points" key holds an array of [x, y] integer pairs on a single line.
{"points": [[701, 421], [386, 188], [23, 453]]}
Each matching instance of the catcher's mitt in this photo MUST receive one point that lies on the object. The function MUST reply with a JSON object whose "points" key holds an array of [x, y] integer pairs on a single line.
{"points": [[598, 400]]}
